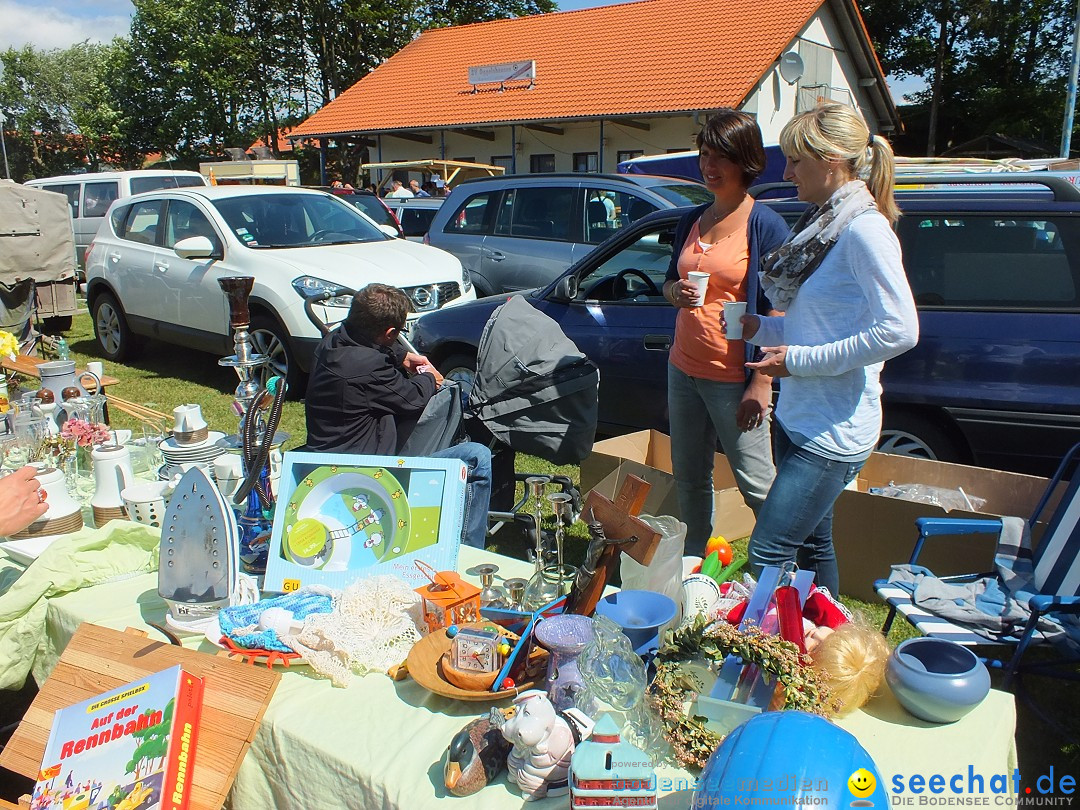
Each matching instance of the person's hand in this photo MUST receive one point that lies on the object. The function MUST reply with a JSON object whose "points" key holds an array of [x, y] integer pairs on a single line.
{"points": [[413, 361], [774, 363], [756, 401], [22, 500], [434, 372], [682, 293]]}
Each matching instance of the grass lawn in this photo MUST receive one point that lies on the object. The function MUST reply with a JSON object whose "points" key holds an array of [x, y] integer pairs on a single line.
{"points": [[166, 376]]}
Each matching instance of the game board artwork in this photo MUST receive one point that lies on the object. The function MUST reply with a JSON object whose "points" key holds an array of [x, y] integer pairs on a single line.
{"points": [[129, 749], [340, 517]]}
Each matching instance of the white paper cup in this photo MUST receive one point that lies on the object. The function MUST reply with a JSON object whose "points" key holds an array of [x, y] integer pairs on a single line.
{"points": [[701, 283], [733, 311]]}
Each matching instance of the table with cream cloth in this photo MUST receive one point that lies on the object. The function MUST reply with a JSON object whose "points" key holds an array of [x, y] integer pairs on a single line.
{"points": [[379, 744]]}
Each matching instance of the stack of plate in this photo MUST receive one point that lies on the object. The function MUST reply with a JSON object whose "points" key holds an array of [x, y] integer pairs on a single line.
{"points": [[201, 454]]}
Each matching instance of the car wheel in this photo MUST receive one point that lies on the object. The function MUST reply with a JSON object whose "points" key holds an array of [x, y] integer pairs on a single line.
{"points": [[267, 337], [907, 434], [461, 368], [111, 329]]}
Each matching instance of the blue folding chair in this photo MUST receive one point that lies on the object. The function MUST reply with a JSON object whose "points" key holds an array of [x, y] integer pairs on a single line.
{"points": [[1056, 577]]}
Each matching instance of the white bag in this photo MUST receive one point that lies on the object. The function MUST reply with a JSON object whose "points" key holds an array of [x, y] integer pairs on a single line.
{"points": [[664, 574]]}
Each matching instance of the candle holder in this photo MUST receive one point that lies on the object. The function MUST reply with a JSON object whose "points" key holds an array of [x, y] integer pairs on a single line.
{"points": [[516, 588], [491, 595], [537, 486]]}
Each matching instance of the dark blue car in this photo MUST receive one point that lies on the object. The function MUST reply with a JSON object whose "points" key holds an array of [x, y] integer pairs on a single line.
{"points": [[994, 264]]}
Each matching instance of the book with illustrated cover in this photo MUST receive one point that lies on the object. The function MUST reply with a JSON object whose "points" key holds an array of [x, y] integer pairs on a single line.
{"points": [[129, 749], [340, 517]]}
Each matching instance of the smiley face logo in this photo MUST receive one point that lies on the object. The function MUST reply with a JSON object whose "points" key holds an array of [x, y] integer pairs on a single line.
{"points": [[862, 783]]}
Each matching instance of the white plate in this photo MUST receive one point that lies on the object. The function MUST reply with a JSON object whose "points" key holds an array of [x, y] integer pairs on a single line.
{"points": [[172, 446], [26, 551]]}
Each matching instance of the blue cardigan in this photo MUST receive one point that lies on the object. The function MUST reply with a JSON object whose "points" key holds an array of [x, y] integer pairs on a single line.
{"points": [[766, 231]]}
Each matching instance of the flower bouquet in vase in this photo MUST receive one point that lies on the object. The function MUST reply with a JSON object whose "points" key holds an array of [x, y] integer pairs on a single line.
{"points": [[86, 436]]}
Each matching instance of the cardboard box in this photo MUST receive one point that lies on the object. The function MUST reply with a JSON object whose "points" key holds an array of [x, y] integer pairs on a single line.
{"points": [[647, 454], [873, 532]]}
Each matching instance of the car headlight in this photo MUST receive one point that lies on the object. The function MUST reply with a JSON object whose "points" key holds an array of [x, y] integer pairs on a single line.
{"points": [[311, 287], [466, 279]]}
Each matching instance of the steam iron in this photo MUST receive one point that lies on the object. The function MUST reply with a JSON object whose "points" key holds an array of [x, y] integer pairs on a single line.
{"points": [[200, 550]]}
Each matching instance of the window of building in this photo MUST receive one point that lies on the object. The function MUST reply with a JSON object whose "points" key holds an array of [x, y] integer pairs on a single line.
{"points": [[629, 154], [506, 161], [541, 164], [467, 159], [586, 162]]}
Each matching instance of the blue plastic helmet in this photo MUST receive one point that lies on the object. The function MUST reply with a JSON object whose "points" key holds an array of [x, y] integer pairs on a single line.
{"points": [[790, 759]]}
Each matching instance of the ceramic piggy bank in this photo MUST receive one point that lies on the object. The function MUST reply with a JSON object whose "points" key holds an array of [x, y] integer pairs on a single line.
{"points": [[543, 742]]}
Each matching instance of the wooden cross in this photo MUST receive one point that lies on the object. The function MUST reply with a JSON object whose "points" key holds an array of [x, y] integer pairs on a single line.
{"points": [[625, 533]]}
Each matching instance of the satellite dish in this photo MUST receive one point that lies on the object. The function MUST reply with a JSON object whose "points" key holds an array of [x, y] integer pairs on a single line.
{"points": [[791, 67]]}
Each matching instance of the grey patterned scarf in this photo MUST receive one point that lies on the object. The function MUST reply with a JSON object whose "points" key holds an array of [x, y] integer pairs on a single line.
{"points": [[785, 269]]}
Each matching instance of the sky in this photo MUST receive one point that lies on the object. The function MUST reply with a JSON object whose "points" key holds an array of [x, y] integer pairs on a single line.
{"points": [[62, 23]]}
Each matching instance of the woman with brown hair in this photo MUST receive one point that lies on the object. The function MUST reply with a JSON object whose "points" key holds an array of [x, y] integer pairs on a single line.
{"points": [[711, 395]]}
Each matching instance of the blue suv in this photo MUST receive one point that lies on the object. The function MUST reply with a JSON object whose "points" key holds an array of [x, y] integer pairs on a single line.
{"points": [[994, 264]]}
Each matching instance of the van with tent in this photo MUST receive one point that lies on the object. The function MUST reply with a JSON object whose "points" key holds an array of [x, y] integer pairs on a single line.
{"points": [[37, 260]]}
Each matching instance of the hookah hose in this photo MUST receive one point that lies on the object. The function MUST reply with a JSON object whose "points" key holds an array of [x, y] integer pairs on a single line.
{"points": [[254, 459]]}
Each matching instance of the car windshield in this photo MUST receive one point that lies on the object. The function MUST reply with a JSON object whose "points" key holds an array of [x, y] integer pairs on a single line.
{"points": [[684, 193], [295, 220]]}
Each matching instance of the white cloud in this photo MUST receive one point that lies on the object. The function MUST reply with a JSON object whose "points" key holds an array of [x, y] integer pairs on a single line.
{"points": [[50, 26]]}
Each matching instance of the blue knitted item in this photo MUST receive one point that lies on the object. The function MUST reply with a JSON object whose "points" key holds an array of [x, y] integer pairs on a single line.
{"points": [[300, 605]]}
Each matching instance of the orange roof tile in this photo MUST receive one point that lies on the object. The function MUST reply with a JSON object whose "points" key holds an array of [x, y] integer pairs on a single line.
{"points": [[651, 56]]}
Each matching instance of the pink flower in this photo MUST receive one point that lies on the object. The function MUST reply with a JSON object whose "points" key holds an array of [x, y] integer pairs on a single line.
{"points": [[85, 434]]}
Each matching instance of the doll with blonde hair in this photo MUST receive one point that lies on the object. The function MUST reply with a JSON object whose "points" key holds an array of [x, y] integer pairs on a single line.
{"points": [[853, 658]]}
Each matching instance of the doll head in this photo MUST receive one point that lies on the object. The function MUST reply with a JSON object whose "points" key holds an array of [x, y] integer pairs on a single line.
{"points": [[853, 658]]}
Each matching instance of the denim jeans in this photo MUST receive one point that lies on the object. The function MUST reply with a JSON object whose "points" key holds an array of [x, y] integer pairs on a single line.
{"points": [[700, 412], [477, 488], [795, 524]]}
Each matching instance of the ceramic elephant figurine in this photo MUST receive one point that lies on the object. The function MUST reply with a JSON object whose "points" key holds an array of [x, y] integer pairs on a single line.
{"points": [[543, 741]]}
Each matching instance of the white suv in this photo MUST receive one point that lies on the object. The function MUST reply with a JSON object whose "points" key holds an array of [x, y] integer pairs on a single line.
{"points": [[153, 268]]}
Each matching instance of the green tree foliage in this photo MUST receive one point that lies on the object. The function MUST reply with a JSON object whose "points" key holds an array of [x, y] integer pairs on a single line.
{"points": [[59, 114], [991, 66]]}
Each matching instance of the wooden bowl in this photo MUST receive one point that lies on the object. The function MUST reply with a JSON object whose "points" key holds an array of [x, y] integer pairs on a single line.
{"points": [[424, 665]]}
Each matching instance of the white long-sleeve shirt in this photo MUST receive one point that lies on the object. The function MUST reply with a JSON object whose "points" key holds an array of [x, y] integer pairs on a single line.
{"points": [[855, 312]]}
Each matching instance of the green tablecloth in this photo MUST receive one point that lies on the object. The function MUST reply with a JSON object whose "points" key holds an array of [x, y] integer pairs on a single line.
{"points": [[378, 744]]}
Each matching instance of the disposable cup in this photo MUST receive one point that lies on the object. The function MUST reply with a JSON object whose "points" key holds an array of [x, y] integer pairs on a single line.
{"points": [[733, 311], [701, 283]]}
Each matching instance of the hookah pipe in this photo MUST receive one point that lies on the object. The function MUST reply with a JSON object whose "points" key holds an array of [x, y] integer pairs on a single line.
{"points": [[256, 453]]}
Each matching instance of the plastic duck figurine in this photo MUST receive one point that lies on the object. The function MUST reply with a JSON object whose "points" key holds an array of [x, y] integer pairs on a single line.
{"points": [[477, 754], [543, 744]]}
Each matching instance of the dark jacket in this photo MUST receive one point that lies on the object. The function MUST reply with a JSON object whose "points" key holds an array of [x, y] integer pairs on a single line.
{"points": [[360, 399], [767, 230]]}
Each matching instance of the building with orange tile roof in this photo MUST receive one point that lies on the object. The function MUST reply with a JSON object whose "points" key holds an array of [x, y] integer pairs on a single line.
{"points": [[601, 85]]}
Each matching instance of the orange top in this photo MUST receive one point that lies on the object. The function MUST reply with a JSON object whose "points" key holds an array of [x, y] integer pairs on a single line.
{"points": [[700, 348]]}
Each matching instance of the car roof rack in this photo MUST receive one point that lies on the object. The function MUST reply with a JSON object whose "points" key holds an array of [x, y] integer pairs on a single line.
{"points": [[1059, 185]]}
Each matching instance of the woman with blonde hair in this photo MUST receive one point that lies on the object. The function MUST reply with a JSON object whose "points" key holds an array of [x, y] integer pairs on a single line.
{"points": [[848, 308]]}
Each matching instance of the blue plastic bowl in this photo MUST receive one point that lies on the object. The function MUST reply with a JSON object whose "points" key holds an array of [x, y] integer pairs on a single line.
{"points": [[937, 680], [640, 615]]}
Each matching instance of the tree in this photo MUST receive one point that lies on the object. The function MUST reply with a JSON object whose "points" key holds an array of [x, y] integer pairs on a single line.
{"points": [[990, 65], [59, 109]]}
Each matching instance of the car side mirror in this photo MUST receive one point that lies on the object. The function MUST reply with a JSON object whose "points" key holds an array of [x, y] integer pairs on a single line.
{"points": [[566, 288], [390, 231], [195, 247]]}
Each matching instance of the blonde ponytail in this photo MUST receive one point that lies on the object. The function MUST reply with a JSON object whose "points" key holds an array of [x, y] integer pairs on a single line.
{"points": [[837, 132]]}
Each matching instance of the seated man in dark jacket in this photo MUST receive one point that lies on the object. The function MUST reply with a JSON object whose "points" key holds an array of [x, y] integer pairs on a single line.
{"points": [[366, 393]]}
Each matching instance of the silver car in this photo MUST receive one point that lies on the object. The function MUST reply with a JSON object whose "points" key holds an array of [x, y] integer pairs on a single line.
{"points": [[517, 232]]}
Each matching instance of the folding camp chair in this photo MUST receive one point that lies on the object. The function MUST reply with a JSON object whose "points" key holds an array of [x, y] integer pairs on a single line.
{"points": [[1056, 577]]}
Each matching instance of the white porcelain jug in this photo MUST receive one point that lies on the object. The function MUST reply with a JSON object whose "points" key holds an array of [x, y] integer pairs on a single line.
{"points": [[112, 474], [188, 418]]}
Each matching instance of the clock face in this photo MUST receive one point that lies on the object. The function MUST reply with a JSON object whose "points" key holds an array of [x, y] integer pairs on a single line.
{"points": [[473, 653]]}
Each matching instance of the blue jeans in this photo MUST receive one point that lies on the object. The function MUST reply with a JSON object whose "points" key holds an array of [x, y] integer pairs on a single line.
{"points": [[477, 488], [700, 412], [795, 524]]}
